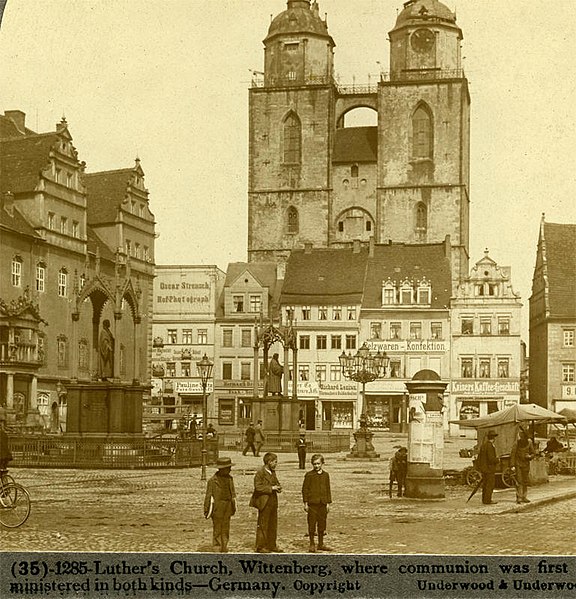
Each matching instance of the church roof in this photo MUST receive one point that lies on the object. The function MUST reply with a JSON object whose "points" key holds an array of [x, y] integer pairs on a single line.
{"points": [[355, 144], [298, 18], [560, 241], [105, 192], [398, 261], [424, 11], [324, 277]]}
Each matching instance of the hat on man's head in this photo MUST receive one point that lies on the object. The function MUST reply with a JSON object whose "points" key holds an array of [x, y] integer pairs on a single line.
{"points": [[223, 463], [492, 434]]}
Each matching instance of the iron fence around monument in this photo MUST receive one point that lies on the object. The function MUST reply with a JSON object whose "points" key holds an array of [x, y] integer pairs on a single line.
{"points": [[282, 442], [45, 451]]}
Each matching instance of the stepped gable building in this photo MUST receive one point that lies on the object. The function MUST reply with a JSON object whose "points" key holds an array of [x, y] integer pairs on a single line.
{"points": [[322, 294], [64, 242], [487, 354], [405, 313], [313, 179], [553, 318], [249, 296]]}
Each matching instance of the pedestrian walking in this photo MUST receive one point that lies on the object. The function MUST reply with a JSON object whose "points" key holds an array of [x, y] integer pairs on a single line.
{"points": [[487, 462], [249, 436], [259, 437], [398, 471], [220, 503], [265, 500], [520, 457], [301, 449], [317, 498]]}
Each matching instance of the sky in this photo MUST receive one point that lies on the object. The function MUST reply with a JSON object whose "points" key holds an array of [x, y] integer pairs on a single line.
{"points": [[168, 80]]}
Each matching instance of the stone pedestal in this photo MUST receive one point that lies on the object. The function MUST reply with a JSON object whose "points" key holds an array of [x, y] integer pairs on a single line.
{"points": [[278, 413], [104, 408], [424, 482], [363, 448]]}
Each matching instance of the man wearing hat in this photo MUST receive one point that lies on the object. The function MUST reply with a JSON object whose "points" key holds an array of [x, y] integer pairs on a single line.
{"points": [[522, 453], [220, 503], [301, 449], [487, 462]]}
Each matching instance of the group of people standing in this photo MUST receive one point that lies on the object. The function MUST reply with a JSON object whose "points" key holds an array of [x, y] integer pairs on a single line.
{"points": [[254, 439], [220, 503]]}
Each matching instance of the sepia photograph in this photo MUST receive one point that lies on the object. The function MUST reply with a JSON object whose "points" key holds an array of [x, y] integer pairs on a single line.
{"points": [[287, 298]]}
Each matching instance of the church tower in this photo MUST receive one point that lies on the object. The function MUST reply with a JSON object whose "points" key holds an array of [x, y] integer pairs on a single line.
{"points": [[290, 121], [424, 133]]}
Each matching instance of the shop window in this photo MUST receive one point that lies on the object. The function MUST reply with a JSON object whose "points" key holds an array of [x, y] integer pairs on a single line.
{"points": [[341, 415], [469, 410], [336, 341], [304, 342], [226, 411], [321, 342], [244, 412]]}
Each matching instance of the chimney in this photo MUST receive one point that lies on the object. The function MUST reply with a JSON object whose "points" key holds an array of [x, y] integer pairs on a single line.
{"points": [[356, 246], [308, 247], [18, 118]]}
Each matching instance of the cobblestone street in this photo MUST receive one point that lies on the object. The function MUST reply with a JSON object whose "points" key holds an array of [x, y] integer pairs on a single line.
{"points": [[161, 511]]}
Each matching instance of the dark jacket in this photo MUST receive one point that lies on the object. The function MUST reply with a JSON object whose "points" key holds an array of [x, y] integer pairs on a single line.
{"points": [[316, 487], [220, 492], [5, 453], [263, 482], [487, 460], [521, 454], [250, 434], [275, 372]]}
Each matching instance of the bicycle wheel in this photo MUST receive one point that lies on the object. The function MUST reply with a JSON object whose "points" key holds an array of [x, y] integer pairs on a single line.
{"points": [[8, 480], [508, 478], [14, 506]]}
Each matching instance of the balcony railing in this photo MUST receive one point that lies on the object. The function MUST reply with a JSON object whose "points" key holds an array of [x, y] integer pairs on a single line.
{"points": [[422, 75], [20, 352]]}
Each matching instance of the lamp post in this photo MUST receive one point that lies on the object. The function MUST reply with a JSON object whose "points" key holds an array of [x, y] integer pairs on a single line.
{"points": [[205, 372], [364, 367]]}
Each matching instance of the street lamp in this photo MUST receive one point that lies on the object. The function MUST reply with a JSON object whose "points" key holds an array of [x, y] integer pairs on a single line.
{"points": [[364, 367], [205, 372]]}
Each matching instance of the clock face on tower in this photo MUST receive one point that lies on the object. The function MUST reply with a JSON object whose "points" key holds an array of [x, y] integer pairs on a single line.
{"points": [[422, 40]]}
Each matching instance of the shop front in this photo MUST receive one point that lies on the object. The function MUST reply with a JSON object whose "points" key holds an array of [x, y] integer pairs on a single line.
{"points": [[386, 406], [477, 398], [338, 400]]}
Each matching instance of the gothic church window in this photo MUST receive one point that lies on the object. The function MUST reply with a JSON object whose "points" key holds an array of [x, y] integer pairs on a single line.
{"points": [[292, 220], [292, 139], [422, 138], [421, 220]]}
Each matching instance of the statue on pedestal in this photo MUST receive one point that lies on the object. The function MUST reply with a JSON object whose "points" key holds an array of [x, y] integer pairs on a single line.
{"points": [[275, 372], [106, 352]]}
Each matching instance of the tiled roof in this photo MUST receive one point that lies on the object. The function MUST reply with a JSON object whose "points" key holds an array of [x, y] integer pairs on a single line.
{"points": [[105, 191], [355, 144], [398, 262], [13, 221], [22, 159], [561, 268], [324, 277], [94, 241]]}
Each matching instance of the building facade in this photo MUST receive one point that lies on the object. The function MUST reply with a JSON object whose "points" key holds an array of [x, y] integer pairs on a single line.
{"points": [[65, 267], [487, 353], [314, 180], [183, 331], [553, 318]]}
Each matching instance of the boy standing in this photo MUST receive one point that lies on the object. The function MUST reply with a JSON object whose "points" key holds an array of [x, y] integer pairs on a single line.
{"points": [[317, 499]]}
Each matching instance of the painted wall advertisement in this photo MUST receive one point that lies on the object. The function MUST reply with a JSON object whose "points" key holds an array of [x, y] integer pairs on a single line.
{"points": [[179, 291]]}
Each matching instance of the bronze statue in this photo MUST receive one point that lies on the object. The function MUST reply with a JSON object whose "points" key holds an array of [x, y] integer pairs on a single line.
{"points": [[106, 352], [275, 371]]}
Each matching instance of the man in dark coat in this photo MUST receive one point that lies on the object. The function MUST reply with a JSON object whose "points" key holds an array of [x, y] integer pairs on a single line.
{"points": [[487, 462], [259, 437], [106, 352], [317, 498], [220, 503], [275, 371], [249, 439], [301, 449], [265, 500], [520, 457]]}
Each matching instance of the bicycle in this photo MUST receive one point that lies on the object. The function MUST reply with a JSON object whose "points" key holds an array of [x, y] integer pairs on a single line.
{"points": [[14, 502]]}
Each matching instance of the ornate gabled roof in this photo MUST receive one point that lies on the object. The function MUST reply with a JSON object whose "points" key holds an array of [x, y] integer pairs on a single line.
{"points": [[22, 308], [424, 11]]}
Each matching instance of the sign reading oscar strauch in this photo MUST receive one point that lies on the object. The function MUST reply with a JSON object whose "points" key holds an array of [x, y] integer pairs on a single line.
{"points": [[408, 345], [191, 295]]}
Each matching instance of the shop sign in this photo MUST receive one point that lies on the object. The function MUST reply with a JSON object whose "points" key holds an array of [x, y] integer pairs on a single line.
{"points": [[304, 388], [409, 346], [169, 353], [171, 294], [568, 391], [192, 386], [484, 387], [344, 389]]}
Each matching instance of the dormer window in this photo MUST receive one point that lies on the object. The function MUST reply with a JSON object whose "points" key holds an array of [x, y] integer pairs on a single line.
{"points": [[424, 293], [406, 293], [305, 312], [388, 293]]}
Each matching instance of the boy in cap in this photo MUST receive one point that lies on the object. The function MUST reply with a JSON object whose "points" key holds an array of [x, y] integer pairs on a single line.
{"points": [[398, 470], [301, 449], [220, 503], [487, 462]]}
